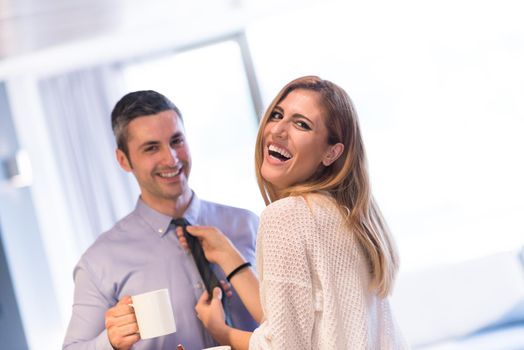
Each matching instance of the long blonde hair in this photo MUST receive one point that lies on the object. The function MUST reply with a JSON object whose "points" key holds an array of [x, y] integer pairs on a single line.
{"points": [[346, 179]]}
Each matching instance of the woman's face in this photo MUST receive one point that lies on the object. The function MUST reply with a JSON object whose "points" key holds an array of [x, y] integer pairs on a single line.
{"points": [[295, 140]]}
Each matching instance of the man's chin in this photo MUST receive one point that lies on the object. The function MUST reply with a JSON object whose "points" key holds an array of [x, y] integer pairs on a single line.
{"points": [[175, 194]]}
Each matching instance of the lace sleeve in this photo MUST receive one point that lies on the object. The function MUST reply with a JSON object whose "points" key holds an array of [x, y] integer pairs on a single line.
{"points": [[286, 287]]}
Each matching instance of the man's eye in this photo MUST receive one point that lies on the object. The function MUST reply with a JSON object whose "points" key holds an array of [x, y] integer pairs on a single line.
{"points": [[151, 149], [177, 141]]}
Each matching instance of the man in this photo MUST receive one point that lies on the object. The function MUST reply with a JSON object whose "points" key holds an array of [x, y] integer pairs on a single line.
{"points": [[141, 252]]}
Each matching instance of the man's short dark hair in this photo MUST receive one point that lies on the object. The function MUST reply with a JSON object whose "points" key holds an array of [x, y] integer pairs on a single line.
{"points": [[133, 105]]}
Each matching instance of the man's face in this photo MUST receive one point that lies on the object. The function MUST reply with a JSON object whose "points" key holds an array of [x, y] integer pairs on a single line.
{"points": [[159, 158]]}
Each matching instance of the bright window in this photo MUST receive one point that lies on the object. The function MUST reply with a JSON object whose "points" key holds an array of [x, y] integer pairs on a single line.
{"points": [[439, 97]]}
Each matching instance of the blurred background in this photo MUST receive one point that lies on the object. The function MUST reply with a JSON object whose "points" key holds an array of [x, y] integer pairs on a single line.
{"points": [[438, 86]]}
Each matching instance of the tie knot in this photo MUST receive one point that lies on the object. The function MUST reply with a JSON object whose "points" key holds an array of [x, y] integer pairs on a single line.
{"points": [[180, 222]]}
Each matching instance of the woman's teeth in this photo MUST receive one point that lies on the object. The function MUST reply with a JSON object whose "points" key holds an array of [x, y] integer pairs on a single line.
{"points": [[279, 152]]}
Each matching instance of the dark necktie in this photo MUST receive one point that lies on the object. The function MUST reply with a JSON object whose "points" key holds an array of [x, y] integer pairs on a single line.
{"points": [[204, 269]]}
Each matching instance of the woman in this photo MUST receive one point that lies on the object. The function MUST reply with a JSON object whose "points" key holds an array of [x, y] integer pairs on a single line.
{"points": [[325, 258]]}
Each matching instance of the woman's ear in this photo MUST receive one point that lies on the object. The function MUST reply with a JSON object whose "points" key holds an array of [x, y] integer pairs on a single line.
{"points": [[332, 154]]}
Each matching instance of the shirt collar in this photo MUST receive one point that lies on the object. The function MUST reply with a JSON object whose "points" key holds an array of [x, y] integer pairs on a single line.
{"points": [[160, 222], [192, 212]]}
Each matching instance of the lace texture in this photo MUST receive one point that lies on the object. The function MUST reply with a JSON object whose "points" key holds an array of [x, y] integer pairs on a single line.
{"points": [[314, 282]]}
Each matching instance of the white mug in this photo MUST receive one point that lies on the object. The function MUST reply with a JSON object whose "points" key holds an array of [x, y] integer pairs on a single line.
{"points": [[154, 313]]}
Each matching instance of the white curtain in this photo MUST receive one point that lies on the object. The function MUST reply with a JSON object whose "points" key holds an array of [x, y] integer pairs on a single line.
{"points": [[77, 107]]}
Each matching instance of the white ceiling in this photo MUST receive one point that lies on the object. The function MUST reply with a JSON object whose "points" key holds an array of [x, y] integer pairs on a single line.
{"points": [[29, 26], [40, 37]]}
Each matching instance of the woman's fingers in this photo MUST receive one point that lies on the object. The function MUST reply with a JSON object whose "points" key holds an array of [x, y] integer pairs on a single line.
{"points": [[217, 293], [227, 288], [181, 238], [217, 247], [199, 231]]}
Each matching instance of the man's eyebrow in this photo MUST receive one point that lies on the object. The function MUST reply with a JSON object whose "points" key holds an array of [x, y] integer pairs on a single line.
{"points": [[148, 143], [177, 134]]}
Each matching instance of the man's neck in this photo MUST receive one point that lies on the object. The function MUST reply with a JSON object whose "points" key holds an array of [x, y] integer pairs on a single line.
{"points": [[174, 208]]}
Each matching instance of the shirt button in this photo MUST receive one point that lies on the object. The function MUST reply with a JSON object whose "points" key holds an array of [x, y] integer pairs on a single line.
{"points": [[199, 285], [160, 230]]}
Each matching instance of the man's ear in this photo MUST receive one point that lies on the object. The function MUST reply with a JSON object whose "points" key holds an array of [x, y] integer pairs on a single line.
{"points": [[122, 159], [332, 154]]}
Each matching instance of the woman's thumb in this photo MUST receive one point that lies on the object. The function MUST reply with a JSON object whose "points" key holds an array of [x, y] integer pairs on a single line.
{"points": [[217, 293]]}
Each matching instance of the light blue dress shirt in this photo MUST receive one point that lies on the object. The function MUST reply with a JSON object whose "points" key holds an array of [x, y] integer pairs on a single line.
{"points": [[141, 253]]}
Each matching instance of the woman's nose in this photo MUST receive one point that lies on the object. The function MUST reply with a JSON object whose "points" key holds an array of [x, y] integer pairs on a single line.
{"points": [[279, 129]]}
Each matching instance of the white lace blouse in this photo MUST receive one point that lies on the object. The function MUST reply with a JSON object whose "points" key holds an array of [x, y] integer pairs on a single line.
{"points": [[314, 281]]}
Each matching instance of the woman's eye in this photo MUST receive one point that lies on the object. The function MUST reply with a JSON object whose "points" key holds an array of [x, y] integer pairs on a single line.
{"points": [[303, 125], [275, 116]]}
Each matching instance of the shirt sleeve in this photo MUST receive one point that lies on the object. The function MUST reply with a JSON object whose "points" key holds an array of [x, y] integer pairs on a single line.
{"points": [[286, 286], [86, 329]]}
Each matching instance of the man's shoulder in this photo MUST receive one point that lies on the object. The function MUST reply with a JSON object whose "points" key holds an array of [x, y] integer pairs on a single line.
{"points": [[129, 223], [116, 235], [237, 223], [213, 208]]}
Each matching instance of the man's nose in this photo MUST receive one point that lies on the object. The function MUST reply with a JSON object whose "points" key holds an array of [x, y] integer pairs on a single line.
{"points": [[170, 156]]}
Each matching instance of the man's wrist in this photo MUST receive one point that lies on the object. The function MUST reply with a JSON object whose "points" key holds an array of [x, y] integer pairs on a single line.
{"points": [[103, 342]]}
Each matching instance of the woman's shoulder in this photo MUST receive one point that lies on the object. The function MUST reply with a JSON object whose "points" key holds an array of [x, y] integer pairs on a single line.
{"points": [[305, 204]]}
